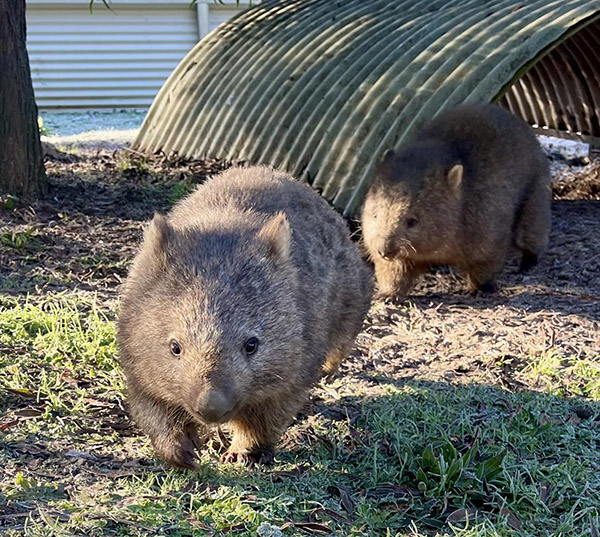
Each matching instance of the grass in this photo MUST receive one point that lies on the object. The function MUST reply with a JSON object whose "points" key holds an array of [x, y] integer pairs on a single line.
{"points": [[19, 240], [573, 376], [169, 191], [152, 183], [44, 130], [395, 458]]}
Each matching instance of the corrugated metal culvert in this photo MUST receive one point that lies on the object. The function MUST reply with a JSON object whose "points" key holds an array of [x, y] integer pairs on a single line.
{"points": [[321, 88], [562, 90]]}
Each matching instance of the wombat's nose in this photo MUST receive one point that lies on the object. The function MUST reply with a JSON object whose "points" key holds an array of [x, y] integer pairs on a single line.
{"points": [[213, 405]]}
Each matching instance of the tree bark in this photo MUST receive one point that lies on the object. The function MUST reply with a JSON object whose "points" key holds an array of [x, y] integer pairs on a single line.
{"points": [[21, 160]]}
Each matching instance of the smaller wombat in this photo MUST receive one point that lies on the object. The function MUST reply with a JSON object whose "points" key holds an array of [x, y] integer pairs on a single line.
{"points": [[470, 184], [236, 304]]}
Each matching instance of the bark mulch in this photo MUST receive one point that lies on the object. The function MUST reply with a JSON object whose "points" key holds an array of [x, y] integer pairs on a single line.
{"points": [[83, 235]]}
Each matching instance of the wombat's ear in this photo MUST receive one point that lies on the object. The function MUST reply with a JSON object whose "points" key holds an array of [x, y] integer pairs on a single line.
{"points": [[454, 176], [276, 234], [158, 235]]}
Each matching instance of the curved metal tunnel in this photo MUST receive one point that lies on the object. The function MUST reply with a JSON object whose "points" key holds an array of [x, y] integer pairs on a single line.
{"points": [[321, 88], [562, 90]]}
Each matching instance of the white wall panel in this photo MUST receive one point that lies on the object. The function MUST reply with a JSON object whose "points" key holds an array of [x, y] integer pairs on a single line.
{"points": [[218, 14], [107, 58]]}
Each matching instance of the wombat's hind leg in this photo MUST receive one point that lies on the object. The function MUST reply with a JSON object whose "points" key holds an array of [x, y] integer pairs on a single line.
{"points": [[256, 432], [333, 361], [482, 276], [353, 300], [533, 225], [528, 261]]}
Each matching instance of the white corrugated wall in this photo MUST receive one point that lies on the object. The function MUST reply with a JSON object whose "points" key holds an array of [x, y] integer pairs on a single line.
{"points": [[111, 59]]}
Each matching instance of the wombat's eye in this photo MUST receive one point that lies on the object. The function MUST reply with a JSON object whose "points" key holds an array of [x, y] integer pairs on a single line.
{"points": [[411, 222], [176, 349], [251, 346]]}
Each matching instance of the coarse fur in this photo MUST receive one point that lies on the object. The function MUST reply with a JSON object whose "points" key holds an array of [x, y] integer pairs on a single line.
{"points": [[471, 184], [250, 254]]}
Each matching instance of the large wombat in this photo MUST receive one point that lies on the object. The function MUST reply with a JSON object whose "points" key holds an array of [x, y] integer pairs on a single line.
{"points": [[469, 185], [236, 304]]}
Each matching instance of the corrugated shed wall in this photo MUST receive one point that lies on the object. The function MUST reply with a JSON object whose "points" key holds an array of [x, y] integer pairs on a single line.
{"points": [[322, 88], [104, 58]]}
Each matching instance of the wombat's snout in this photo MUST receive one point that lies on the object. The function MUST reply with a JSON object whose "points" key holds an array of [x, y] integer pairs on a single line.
{"points": [[388, 254], [215, 405], [388, 250]]}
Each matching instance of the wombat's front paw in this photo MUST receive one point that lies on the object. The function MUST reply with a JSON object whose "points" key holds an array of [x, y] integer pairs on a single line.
{"points": [[486, 288], [382, 294], [181, 452], [528, 261], [264, 456]]}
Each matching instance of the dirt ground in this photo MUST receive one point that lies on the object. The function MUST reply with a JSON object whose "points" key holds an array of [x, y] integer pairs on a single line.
{"points": [[83, 234]]}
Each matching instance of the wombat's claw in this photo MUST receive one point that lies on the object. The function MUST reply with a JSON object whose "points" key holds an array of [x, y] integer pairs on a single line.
{"points": [[485, 288], [263, 456], [180, 456], [183, 459], [383, 295], [528, 261]]}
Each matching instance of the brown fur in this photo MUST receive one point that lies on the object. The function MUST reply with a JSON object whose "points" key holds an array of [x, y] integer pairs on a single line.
{"points": [[470, 185], [252, 253]]}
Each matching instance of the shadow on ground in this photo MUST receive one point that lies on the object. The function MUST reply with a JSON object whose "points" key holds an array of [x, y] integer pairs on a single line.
{"points": [[408, 452]]}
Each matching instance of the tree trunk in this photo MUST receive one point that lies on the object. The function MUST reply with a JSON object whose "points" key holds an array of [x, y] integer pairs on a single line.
{"points": [[21, 160]]}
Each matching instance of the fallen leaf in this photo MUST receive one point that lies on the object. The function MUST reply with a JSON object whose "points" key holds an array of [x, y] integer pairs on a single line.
{"points": [[8, 425], [545, 491], [392, 490], [29, 413], [66, 378], [21, 391], [511, 519], [201, 525], [556, 503], [96, 402], [82, 455], [30, 449], [462, 514], [312, 527], [295, 473], [345, 498], [338, 517]]}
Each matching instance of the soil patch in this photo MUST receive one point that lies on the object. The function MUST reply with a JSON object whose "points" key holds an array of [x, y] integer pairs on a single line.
{"points": [[83, 235]]}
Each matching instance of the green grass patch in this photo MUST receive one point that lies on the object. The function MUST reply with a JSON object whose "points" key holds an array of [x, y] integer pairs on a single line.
{"points": [[572, 376], [406, 458], [169, 191], [20, 240], [59, 353]]}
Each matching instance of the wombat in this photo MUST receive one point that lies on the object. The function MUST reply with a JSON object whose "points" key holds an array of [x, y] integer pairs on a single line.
{"points": [[471, 184], [236, 304]]}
